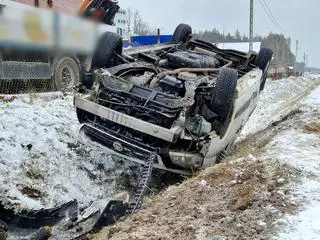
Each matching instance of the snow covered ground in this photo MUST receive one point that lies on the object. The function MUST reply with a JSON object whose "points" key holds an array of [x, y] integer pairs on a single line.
{"points": [[43, 160], [297, 145], [278, 98]]}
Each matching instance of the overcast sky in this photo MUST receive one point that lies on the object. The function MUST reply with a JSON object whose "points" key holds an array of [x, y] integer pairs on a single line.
{"points": [[299, 18]]}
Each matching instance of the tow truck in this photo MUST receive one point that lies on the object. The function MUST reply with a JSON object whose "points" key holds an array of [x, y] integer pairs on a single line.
{"points": [[43, 47]]}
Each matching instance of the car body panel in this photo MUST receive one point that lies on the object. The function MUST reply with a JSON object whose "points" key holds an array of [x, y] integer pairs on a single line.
{"points": [[247, 97]]}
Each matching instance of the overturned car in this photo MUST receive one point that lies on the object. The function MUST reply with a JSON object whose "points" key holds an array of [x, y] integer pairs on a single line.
{"points": [[185, 101]]}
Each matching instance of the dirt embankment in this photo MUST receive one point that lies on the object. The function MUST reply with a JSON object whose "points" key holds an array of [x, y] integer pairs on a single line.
{"points": [[236, 200]]}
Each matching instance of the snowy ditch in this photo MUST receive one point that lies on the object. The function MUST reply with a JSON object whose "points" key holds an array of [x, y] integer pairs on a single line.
{"points": [[278, 98], [298, 146], [44, 162]]}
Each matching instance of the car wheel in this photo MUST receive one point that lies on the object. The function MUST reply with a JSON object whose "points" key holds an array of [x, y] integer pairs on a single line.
{"points": [[262, 61], [182, 33], [105, 55], [223, 93], [66, 74]]}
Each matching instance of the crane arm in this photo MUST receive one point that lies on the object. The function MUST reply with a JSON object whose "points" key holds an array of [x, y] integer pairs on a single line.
{"points": [[84, 6]]}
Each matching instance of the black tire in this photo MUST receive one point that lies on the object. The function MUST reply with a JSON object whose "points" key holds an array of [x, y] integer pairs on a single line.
{"points": [[105, 55], [262, 61], [223, 93], [182, 33], [66, 74]]}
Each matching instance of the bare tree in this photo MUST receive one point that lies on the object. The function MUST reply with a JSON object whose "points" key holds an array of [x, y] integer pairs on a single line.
{"points": [[140, 27], [136, 21], [129, 19]]}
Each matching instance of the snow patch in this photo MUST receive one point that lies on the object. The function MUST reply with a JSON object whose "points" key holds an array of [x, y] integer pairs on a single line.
{"points": [[43, 161], [277, 99], [302, 151]]}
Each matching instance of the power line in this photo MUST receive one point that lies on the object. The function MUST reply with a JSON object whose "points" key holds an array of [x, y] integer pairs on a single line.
{"points": [[271, 13], [276, 23], [267, 12], [251, 27], [271, 16]]}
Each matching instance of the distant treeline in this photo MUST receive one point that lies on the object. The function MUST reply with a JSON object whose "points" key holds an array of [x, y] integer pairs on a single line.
{"points": [[280, 45]]}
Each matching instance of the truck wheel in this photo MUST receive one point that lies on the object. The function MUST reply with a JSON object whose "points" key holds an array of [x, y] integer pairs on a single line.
{"points": [[182, 33], [109, 45], [66, 74], [262, 61], [223, 93]]}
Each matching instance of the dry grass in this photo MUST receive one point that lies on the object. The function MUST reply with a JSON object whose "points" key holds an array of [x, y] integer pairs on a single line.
{"points": [[219, 174], [245, 148], [313, 127], [225, 200], [31, 192], [7, 99]]}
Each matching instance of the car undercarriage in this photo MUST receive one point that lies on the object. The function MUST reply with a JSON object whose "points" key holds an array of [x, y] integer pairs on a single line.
{"points": [[170, 99]]}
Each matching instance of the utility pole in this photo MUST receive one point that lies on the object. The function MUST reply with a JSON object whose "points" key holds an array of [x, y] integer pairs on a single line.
{"points": [[304, 61], [251, 26], [296, 59], [297, 48]]}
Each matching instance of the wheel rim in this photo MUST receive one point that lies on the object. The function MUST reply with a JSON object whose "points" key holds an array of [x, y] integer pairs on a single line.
{"points": [[67, 78]]}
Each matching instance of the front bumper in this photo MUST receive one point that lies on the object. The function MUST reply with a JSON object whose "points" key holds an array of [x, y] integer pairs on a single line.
{"points": [[169, 135], [120, 146]]}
